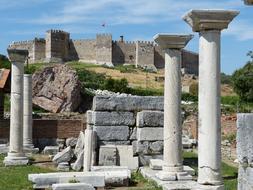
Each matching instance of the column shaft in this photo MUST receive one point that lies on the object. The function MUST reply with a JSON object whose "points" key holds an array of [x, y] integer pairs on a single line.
{"points": [[88, 149], [209, 108], [172, 112], [16, 118], [28, 122]]}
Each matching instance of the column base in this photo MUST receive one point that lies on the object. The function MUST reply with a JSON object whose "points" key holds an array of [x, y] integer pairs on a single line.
{"points": [[174, 176], [209, 187], [15, 159]]}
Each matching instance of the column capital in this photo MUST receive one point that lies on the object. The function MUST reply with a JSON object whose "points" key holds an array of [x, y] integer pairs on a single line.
{"points": [[209, 19], [18, 55], [172, 41], [248, 2]]}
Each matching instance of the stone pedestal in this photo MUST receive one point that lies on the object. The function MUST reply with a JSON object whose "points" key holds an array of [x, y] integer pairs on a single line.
{"points": [[173, 162], [28, 121], [88, 148], [15, 155], [209, 23]]}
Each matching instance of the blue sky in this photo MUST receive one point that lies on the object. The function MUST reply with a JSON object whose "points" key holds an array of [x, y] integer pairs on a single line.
{"points": [[135, 19]]}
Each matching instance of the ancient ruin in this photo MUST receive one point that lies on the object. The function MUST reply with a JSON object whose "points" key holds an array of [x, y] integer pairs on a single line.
{"points": [[58, 47]]}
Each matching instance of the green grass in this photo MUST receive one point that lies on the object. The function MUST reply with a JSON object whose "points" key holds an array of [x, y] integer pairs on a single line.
{"points": [[16, 178], [137, 178], [229, 173]]}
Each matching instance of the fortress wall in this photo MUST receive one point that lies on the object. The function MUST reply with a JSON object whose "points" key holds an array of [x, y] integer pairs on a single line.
{"points": [[190, 61], [27, 45], [39, 49], [84, 50], [123, 52], [159, 56], [104, 49], [57, 45], [144, 54]]}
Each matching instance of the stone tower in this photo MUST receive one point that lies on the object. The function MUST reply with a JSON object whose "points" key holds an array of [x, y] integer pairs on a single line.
{"points": [[57, 46], [104, 49]]}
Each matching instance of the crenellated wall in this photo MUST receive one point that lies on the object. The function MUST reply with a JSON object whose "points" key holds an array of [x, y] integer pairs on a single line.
{"points": [[123, 52], [58, 47], [83, 50]]}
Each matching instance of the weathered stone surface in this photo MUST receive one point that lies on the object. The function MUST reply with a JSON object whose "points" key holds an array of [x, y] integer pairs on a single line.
{"points": [[71, 141], [64, 156], [133, 133], [141, 147], [149, 119], [111, 118], [51, 150], [156, 146], [56, 89], [130, 103], [126, 158], [114, 143], [77, 166], [108, 155], [150, 134], [72, 186], [112, 133], [46, 180], [245, 178], [144, 160], [63, 166], [79, 144]]}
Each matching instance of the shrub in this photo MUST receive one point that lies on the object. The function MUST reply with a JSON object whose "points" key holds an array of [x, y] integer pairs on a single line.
{"points": [[189, 97], [194, 89]]}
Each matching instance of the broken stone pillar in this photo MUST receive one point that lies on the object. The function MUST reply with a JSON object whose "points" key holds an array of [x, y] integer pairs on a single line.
{"points": [[27, 120], [172, 162], [88, 138], [209, 24], [15, 155]]}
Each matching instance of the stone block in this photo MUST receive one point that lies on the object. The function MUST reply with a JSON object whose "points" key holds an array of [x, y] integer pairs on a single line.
{"points": [[71, 142], [150, 134], [108, 155], [150, 119], [51, 150], [144, 160], [79, 144], [183, 176], [129, 103], [72, 186], [156, 147], [46, 180], [133, 133], [156, 164], [112, 133], [64, 156], [114, 143], [63, 166], [126, 158], [111, 118], [77, 166]]}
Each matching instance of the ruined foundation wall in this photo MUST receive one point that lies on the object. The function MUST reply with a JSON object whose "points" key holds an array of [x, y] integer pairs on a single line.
{"points": [[104, 49]]}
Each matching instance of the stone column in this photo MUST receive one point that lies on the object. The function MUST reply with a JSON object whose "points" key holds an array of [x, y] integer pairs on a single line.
{"points": [[172, 161], [27, 120], [88, 148], [15, 155], [209, 24]]}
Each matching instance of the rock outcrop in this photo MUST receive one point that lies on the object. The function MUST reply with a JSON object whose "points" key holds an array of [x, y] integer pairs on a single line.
{"points": [[56, 89]]}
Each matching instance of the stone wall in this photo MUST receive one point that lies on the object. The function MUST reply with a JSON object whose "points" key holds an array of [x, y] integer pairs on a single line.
{"points": [[190, 62], [131, 120], [57, 45], [83, 50], [123, 52], [39, 50], [104, 49], [47, 131], [145, 54], [245, 151]]}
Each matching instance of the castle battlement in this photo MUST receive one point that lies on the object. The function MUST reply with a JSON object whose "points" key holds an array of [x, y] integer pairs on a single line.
{"points": [[57, 31], [40, 40], [24, 42], [104, 35], [145, 42]]}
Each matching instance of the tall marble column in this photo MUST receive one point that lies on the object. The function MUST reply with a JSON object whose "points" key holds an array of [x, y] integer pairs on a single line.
{"points": [[209, 24], [27, 120], [15, 155], [172, 161], [88, 141]]}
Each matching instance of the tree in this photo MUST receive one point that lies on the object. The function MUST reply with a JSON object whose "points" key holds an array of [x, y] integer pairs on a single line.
{"points": [[243, 81]]}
